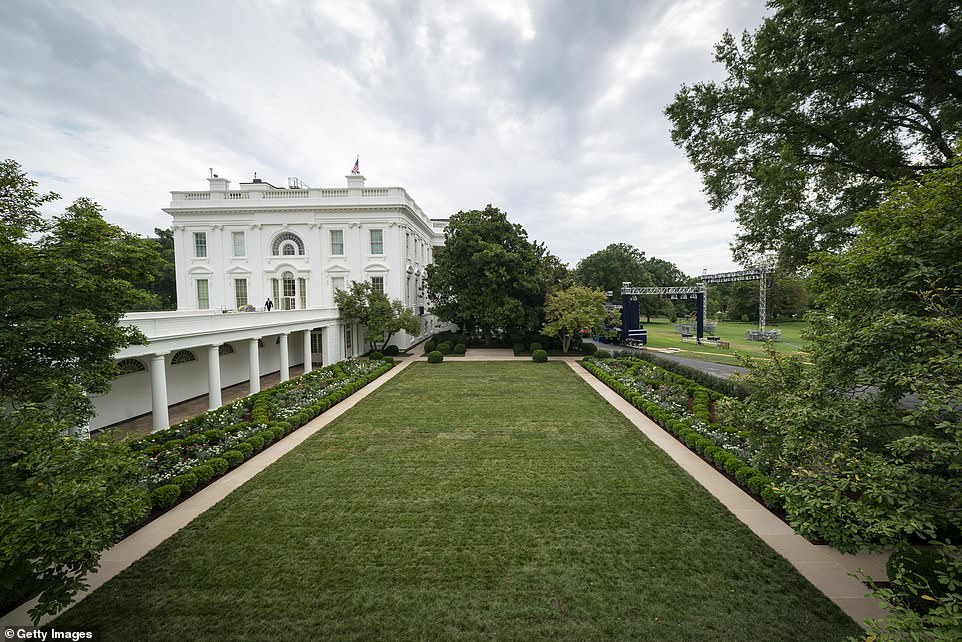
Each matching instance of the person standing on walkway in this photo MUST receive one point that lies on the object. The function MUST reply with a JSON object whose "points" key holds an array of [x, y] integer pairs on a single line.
{"points": [[268, 304]]}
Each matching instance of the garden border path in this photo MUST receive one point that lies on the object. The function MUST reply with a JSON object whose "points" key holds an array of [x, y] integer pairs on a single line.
{"points": [[827, 569], [142, 541]]}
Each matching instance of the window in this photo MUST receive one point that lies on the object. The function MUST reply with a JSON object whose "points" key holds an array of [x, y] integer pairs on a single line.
{"points": [[337, 242], [377, 284], [203, 294], [200, 244], [225, 348], [130, 366], [287, 244], [239, 243], [302, 292], [240, 292], [276, 291], [377, 241], [182, 356], [337, 283], [407, 246], [288, 295]]}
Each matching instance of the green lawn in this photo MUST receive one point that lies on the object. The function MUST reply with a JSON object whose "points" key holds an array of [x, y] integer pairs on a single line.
{"points": [[661, 334], [466, 501]]}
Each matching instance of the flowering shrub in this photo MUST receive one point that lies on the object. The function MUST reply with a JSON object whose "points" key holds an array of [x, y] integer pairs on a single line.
{"points": [[685, 409], [203, 448]]}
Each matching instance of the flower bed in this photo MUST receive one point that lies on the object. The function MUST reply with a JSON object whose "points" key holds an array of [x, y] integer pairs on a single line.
{"points": [[194, 452], [686, 409]]}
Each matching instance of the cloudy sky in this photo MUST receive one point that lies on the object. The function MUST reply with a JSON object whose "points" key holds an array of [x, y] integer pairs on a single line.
{"points": [[552, 111]]}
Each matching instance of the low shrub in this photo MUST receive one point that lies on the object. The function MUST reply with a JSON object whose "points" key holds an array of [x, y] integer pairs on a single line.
{"points": [[219, 464], [535, 346], [435, 357], [589, 349], [602, 354], [187, 483], [392, 350], [518, 349], [387, 359], [245, 449], [444, 347], [375, 356], [539, 356], [257, 443], [163, 497], [460, 349], [234, 457], [204, 473], [430, 345]]}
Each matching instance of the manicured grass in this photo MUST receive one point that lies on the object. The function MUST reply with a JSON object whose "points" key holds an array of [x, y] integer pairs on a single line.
{"points": [[661, 334], [466, 501]]}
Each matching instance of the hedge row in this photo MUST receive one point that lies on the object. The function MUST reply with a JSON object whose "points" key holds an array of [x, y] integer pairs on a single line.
{"points": [[737, 469], [264, 431], [727, 387]]}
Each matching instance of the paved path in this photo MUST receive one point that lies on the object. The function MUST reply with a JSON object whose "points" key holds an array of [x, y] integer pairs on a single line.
{"points": [[722, 370], [828, 570]]}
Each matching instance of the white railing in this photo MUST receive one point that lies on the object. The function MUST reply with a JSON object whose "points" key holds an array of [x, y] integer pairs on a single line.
{"points": [[286, 193], [196, 196], [376, 191], [333, 193], [242, 196]]}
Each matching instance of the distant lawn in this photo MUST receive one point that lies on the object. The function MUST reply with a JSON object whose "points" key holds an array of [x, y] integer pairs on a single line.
{"points": [[466, 501], [661, 334]]}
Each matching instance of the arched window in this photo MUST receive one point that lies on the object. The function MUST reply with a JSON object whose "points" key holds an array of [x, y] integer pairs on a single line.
{"points": [[130, 366], [225, 348], [182, 356], [287, 244]]}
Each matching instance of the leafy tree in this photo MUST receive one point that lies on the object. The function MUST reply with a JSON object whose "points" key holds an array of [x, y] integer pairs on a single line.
{"points": [[822, 109], [859, 465], [164, 286], [487, 276], [574, 309], [66, 283], [381, 316]]}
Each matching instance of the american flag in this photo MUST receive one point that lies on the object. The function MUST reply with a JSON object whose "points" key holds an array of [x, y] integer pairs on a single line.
{"points": [[357, 169]]}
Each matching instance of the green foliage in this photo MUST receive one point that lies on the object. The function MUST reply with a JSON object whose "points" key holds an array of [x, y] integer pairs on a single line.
{"points": [[588, 349], [535, 346], [460, 348], [233, 457], [488, 277], [444, 347], [163, 497], [575, 309], [204, 473], [858, 468], [430, 345], [381, 317], [539, 356], [435, 357], [518, 348], [375, 356], [187, 482], [64, 500], [392, 350], [808, 128]]}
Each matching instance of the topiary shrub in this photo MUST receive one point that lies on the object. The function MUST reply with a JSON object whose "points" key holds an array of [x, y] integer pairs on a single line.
{"points": [[245, 449], [375, 356], [435, 357], [219, 464], [214, 435], [460, 348], [233, 457], [539, 356], [518, 348], [387, 359], [444, 347], [257, 443], [187, 482], [203, 473], [589, 348], [163, 497], [535, 346], [392, 350], [602, 354], [430, 345]]}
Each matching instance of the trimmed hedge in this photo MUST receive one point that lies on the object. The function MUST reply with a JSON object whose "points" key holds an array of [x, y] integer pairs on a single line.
{"points": [[430, 345], [375, 356], [392, 350], [602, 354], [588, 349], [535, 347], [460, 348], [435, 357], [518, 349], [163, 497], [539, 356], [444, 347]]}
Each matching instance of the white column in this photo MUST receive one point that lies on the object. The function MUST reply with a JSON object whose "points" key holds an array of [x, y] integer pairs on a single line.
{"points": [[331, 336], [213, 378], [158, 392], [255, 374], [285, 357], [307, 351]]}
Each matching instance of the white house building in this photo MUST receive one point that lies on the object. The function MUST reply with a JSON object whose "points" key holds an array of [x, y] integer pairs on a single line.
{"points": [[237, 248]]}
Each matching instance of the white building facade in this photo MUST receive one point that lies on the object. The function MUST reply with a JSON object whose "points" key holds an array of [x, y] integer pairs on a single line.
{"points": [[237, 248]]}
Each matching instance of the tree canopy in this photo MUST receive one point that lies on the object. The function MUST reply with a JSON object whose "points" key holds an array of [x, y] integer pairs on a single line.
{"points": [[822, 109], [65, 285], [381, 317], [488, 277], [577, 308]]}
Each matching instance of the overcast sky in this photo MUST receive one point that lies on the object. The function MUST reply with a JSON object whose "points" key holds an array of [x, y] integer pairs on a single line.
{"points": [[552, 111]]}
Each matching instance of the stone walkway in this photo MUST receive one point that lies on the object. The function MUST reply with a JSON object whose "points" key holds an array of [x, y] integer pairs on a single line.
{"points": [[826, 569]]}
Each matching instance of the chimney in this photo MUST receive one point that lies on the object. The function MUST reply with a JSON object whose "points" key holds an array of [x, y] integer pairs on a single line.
{"points": [[354, 181], [218, 184]]}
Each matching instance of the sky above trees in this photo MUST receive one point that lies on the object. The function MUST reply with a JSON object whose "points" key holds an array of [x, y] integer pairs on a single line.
{"points": [[552, 111]]}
